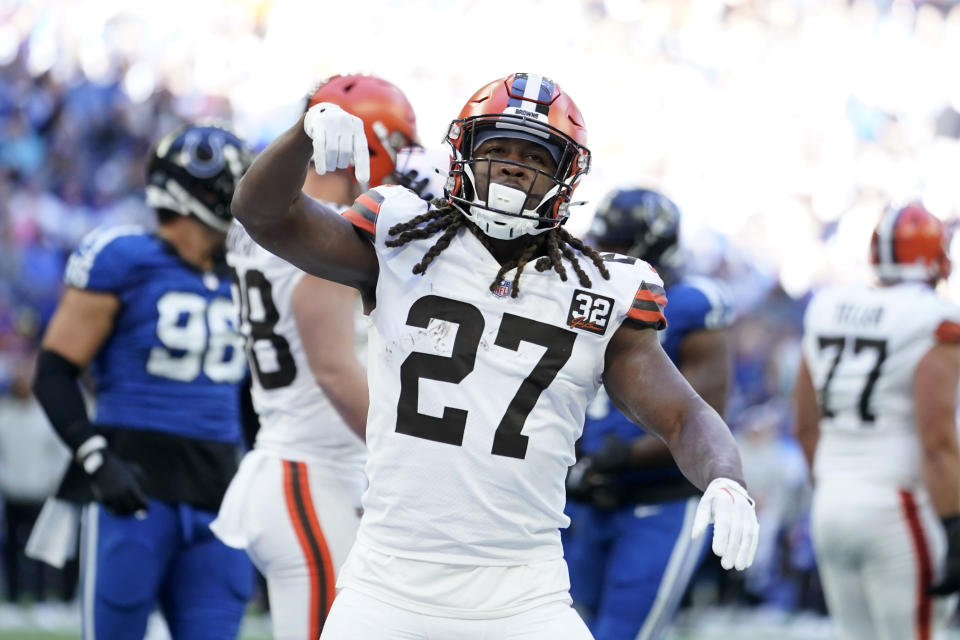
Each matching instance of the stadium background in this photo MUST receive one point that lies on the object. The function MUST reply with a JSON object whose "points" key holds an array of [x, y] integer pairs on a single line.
{"points": [[781, 128]]}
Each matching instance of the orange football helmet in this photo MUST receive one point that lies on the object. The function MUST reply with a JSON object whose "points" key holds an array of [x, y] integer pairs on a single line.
{"points": [[528, 107], [388, 119], [910, 243]]}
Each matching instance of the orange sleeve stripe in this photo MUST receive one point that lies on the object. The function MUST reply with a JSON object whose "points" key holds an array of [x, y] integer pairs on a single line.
{"points": [[948, 331], [370, 203], [646, 294], [359, 220], [653, 317]]}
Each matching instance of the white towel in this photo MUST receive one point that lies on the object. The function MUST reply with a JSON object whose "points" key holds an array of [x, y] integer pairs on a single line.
{"points": [[54, 536], [231, 524]]}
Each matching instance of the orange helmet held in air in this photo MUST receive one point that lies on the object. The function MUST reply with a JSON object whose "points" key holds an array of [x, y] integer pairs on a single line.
{"points": [[528, 107], [910, 243], [388, 119]]}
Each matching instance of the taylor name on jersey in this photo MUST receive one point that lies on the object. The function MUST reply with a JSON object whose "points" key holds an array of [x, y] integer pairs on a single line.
{"points": [[479, 393], [862, 345]]}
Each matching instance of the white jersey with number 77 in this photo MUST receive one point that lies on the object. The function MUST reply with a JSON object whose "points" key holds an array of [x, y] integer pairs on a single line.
{"points": [[862, 345]]}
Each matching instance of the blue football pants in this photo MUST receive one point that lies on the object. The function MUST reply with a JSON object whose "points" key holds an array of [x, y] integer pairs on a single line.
{"points": [[170, 559], [629, 567]]}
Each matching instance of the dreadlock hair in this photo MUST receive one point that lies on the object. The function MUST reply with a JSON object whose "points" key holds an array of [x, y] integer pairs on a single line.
{"points": [[448, 218]]}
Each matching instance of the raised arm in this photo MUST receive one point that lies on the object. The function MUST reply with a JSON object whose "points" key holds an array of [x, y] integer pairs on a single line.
{"points": [[281, 218]]}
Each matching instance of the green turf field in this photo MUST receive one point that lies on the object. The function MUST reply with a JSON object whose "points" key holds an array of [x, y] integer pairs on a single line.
{"points": [[706, 624], [22, 634]]}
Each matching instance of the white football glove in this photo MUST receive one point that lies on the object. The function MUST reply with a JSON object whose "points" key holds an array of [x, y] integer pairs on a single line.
{"points": [[338, 140], [726, 504]]}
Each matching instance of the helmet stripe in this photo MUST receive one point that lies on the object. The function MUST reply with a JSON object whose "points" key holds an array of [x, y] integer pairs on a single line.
{"points": [[885, 237], [517, 89], [536, 91]]}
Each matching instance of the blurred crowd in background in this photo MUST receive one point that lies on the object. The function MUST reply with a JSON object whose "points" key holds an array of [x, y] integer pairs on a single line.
{"points": [[781, 128]]}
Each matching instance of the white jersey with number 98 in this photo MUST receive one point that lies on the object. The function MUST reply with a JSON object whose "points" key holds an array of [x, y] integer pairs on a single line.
{"points": [[297, 420]]}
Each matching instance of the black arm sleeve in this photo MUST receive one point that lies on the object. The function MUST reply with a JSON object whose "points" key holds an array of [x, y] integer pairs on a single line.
{"points": [[55, 386]]}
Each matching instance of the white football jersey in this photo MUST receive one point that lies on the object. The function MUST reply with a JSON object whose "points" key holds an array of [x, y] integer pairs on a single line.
{"points": [[477, 397], [862, 346], [297, 420]]}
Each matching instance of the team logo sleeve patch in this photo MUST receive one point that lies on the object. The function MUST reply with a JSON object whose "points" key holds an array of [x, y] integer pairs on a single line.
{"points": [[647, 308], [589, 311], [364, 211], [948, 331]]}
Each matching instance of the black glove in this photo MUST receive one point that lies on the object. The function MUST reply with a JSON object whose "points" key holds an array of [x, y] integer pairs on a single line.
{"points": [[114, 483], [578, 480], [613, 456], [592, 479], [950, 582]]}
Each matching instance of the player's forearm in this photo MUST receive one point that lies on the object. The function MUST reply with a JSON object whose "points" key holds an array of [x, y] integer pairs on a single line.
{"points": [[267, 192], [56, 389], [704, 448], [941, 469], [346, 387]]}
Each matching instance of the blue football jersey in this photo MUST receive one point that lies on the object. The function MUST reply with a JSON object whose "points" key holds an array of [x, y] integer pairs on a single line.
{"points": [[693, 304], [174, 359]]}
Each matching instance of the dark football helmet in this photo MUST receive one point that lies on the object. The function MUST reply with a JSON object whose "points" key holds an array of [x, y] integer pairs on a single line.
{"points": [[642, 223], [528, 107], [910, 243], [194, 171]]}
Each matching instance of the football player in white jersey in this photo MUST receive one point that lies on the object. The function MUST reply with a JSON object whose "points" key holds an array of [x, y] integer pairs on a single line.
{"points": [[484, 352], [876, 401], [295, 503]]}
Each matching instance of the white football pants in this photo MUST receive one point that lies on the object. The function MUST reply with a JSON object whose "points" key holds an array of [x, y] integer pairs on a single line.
{"points": [[297, 522], [356, 616], [878, 548]]}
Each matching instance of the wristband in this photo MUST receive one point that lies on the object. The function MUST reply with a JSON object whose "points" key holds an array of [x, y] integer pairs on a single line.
{"points": [[90, 454]]}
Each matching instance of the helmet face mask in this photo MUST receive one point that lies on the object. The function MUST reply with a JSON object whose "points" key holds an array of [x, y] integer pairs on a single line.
{"points": [[194, 171], [910, 244], [525, 107], [389, 122]]}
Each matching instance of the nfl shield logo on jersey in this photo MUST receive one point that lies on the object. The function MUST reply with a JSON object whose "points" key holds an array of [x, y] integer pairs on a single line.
{"points": [[502, 290]]}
